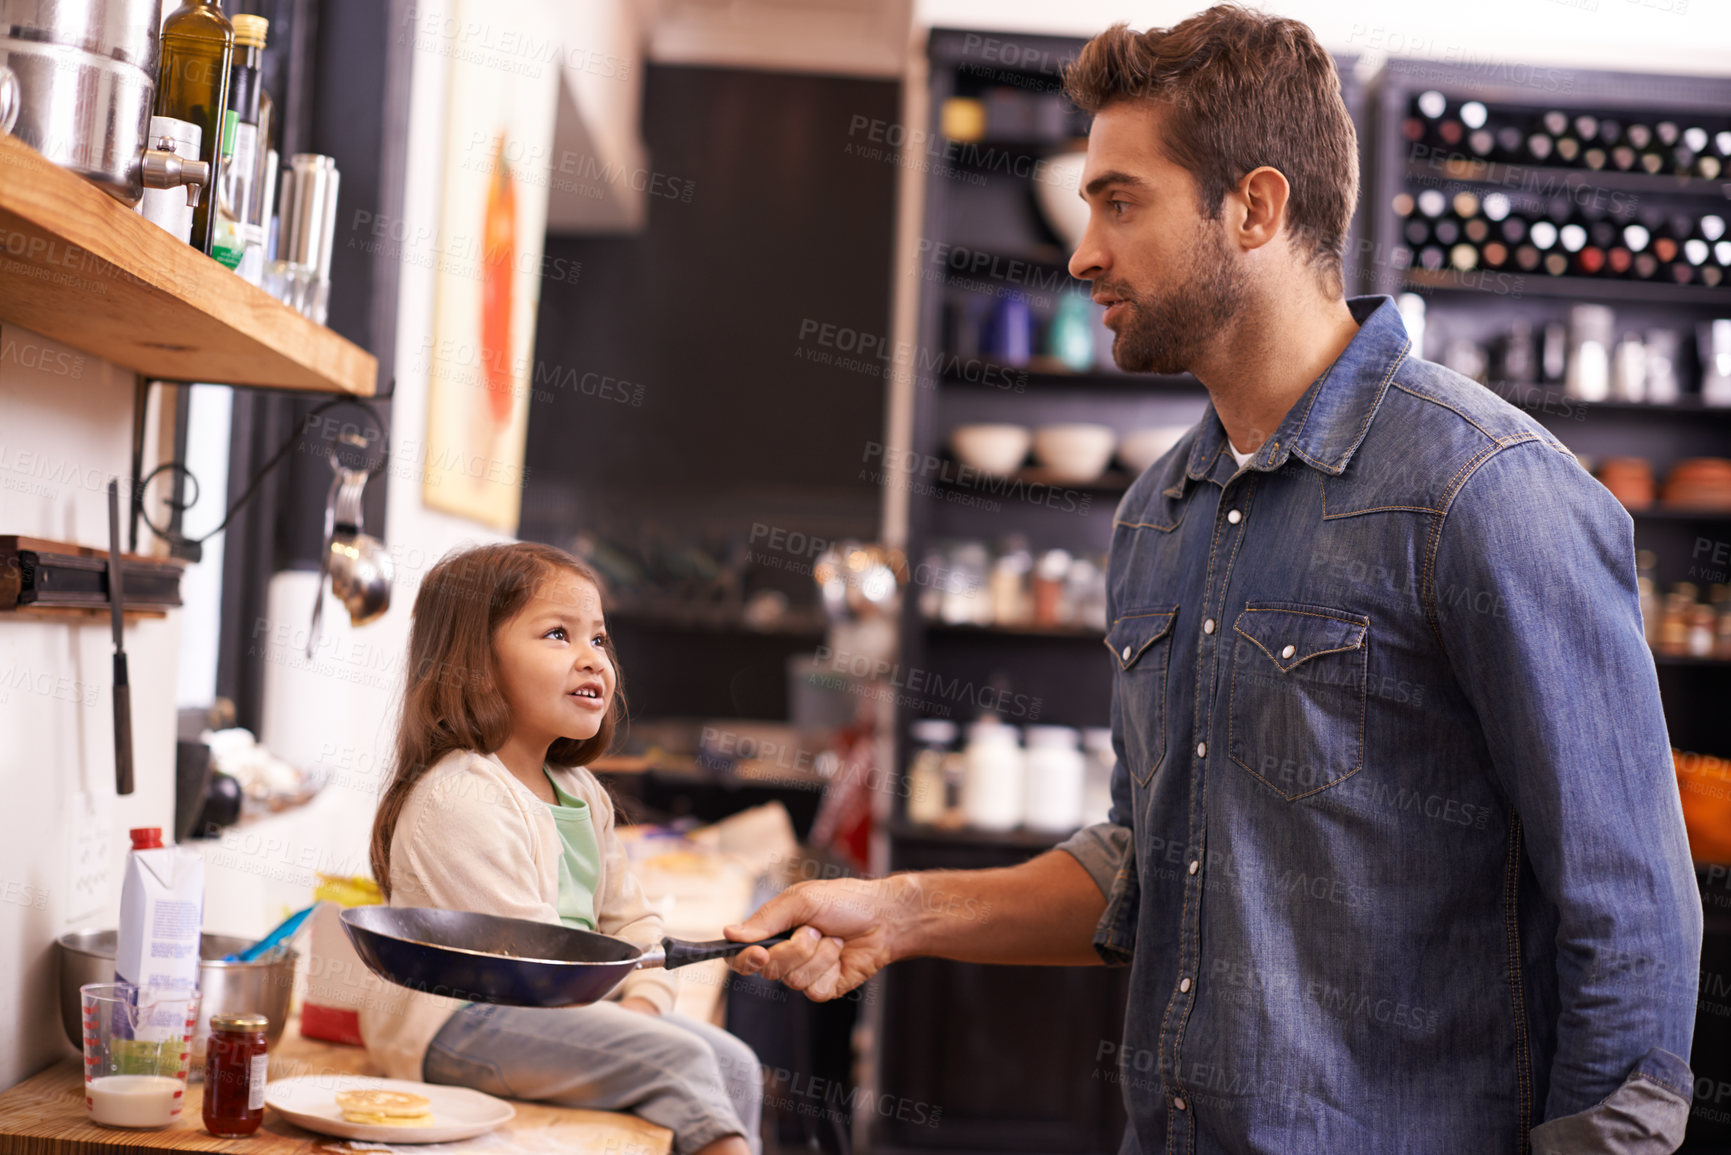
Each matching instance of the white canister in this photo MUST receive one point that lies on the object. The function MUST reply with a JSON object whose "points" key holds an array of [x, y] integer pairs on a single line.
{"points": [[1097, 779], [1055, 772], [992, 783], [168, 207]]}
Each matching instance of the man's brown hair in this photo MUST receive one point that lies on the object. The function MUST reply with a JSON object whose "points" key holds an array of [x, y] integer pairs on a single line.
{"points": [[1242, 89]]}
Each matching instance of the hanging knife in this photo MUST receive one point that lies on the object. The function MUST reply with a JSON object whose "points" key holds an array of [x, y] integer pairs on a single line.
{"points": [[122, 690]]}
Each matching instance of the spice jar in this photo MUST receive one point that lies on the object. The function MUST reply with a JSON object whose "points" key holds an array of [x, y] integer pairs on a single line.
{"points": [[234, 1075], [926, 800]]}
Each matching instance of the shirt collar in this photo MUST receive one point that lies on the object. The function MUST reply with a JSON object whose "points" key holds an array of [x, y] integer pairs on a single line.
{"points": [[1327, 424]]}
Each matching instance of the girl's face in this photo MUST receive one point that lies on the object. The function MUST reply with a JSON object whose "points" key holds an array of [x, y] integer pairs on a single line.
{"points": [[552, 661]]}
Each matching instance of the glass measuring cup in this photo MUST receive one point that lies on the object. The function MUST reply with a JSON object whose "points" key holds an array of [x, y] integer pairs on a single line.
{"points": [[137, 1049]]}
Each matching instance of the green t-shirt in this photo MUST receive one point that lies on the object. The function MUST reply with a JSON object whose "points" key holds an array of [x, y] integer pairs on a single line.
{"points": [[580, 860]]}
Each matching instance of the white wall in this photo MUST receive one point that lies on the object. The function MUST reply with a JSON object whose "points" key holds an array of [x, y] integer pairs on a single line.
{"points": [[65, 429], [1687, 36], [347, 697]]}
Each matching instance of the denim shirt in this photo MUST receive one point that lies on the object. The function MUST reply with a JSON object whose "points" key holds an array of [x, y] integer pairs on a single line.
{"points": [[1395, 854]]}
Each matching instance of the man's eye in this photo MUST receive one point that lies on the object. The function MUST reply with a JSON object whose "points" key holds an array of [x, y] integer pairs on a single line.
{"points": [[1118, 207]]}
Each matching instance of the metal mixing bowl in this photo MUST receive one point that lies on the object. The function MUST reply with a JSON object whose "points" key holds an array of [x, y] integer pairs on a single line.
{"points": [[87, 956]]}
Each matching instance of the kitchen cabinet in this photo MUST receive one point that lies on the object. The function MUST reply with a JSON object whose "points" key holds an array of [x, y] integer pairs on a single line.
{"points": [[1476, 306], [1004, 1058]]}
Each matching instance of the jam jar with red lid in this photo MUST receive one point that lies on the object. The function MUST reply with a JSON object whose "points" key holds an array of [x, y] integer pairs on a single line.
{"points": [[234, 1075]]}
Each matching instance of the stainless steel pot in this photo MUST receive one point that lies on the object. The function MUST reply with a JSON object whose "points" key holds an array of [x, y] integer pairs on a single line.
{"points": [[86, 74], [87, 956]]}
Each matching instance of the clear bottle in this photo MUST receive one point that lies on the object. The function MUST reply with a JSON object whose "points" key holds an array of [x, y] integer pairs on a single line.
{"points": [[966, 601], [238, 186], [1010, 587], [1646, 571], [927, 796], [192, 85]]}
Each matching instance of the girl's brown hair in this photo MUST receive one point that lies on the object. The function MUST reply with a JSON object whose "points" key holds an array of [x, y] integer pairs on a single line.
{"points": [[451, 695]]}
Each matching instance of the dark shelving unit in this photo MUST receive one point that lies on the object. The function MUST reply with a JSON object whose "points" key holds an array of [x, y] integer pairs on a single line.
{"points": [[1479, 304]]}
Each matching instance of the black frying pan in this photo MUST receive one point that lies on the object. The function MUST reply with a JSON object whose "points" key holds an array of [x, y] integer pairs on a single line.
{"points": [[485, 958]]}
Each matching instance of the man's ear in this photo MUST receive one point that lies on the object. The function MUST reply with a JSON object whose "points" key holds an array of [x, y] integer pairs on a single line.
{"points": [[1261, 197]]}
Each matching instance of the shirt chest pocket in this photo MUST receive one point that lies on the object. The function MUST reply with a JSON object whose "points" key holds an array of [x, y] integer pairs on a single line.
{"points": [[1141, 645], [1298, 696]]}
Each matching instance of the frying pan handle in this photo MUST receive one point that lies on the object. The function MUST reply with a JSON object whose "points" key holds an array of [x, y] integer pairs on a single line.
{"points": [[678, 952]]}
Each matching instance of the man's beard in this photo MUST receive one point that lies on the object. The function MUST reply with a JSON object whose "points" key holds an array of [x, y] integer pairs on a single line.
{"points": [[1168, 334]]}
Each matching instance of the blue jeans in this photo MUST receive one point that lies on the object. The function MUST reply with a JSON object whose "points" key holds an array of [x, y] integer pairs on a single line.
{"points": [[697, 1080]]}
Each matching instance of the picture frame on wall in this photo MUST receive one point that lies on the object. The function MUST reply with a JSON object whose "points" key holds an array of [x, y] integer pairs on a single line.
{"points": [[502, 101]]}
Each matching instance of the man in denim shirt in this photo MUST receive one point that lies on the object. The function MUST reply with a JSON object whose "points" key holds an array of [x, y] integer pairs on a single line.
{"points": [[1395, 853]]}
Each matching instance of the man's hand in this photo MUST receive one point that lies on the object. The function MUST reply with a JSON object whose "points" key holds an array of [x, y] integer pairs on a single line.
{"points": [[845, 936]]}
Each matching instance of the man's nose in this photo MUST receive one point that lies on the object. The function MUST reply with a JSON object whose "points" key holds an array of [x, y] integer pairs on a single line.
{"points": [[1088, 262]]}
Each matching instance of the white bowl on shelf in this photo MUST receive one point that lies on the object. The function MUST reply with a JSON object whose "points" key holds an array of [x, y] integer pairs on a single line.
{"points": [[994, 449], [1074, 452], [1140, 448], [1055, 185]]}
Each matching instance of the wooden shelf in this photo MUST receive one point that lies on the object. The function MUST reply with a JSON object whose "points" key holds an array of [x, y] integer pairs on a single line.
{"points": [[1539, 284], [1181, 384], [1111, 481], [796, 623], [1025, 630], [1690, 660], [1549, 177], [902, 830], [78, 267], [1662, 512], [1531, 393]]}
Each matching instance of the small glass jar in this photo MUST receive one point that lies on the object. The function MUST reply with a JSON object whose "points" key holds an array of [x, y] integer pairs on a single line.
{"points": [[234, 1075], [926, 794]]}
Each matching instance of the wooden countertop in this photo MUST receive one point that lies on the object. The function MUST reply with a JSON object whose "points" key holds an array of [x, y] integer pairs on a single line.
{"points": [[44, 1115]]}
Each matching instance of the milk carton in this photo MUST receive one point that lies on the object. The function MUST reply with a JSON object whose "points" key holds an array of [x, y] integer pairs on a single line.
{"points": [[161, 911]]}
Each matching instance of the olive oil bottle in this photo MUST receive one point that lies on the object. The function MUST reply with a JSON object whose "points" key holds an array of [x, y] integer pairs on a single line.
{"points": [[192, 85]]}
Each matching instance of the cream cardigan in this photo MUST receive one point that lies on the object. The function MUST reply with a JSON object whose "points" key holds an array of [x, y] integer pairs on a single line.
{"points": [[472, 837]]}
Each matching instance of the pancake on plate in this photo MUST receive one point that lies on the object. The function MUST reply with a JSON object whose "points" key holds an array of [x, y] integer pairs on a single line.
{"points": [[385, 1108]]}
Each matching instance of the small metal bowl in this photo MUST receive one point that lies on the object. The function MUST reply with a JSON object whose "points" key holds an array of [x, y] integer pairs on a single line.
{"points": [[87, 956]]}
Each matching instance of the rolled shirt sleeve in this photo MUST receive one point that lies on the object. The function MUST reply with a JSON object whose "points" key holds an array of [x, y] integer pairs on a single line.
{"points": [[1107, 851], [1566, 693]]}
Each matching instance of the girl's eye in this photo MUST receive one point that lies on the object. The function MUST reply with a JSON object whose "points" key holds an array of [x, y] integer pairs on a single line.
{"points": [[556, 631], [599, 641]]}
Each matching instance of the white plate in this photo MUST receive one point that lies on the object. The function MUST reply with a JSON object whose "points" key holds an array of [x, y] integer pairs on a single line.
{"points": [[310, 1101]]}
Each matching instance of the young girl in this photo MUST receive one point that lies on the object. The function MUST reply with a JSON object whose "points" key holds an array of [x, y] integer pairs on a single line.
{"points": [[511, 688]]}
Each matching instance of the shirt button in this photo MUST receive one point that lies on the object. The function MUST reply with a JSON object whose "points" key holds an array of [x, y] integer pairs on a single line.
{"points": [[1184, 987], [1202, 749], [1194, 867], [1126, 653], [1178, 1102], [1233, 517], [1208, 626], [1288, 651]]}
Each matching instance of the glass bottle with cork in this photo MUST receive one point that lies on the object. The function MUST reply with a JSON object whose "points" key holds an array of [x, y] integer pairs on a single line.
{"points": [[192, 85]]}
